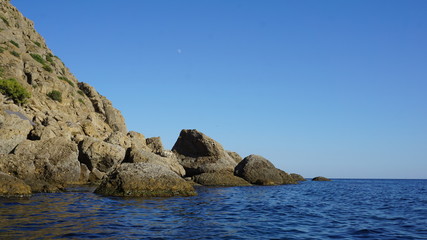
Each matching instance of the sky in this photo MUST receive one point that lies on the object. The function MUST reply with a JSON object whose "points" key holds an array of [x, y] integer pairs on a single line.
{"points": [[332, 88]]}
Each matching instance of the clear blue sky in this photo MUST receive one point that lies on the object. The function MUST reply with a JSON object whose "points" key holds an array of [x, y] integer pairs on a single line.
{"points": [[333, 88]]}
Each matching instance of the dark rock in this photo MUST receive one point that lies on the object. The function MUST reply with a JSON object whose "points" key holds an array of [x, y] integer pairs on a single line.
{"points": [[198, 154], [258, 170], [225, 179], [320, 179], [144, 180]]}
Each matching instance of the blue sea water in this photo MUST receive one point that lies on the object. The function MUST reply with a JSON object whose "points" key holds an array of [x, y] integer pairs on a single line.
{"points": [[340, 209]]}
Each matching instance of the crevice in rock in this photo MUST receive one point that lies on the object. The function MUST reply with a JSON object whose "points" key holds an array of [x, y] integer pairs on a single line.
{"points": [[29, 78]]}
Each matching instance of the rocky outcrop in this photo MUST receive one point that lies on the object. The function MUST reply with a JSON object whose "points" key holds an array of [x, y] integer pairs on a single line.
{"points": [[137, 156], [13, 187], [220, 179], [258, 170], [101, 155], [14, 128], [321, 179], [144, 180], [199, 154], [297, 177]]}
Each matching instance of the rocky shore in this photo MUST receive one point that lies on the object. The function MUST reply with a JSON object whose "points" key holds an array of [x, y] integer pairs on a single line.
{"points": [[56, 131]]}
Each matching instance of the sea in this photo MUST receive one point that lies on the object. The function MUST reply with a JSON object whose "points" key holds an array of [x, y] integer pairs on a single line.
{"points": [[340, 209]]}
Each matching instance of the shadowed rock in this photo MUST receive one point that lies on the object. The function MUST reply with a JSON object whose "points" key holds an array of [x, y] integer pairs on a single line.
{"points": [[144, 180], [224, 179], [320, 179], [199, 153], [258, 170]]}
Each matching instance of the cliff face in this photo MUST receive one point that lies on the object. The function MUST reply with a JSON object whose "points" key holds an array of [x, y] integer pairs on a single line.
{"points": [[59, 105]]}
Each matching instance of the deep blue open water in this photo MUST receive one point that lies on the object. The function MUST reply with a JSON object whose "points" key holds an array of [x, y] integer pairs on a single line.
{"points": [[341, 209]]}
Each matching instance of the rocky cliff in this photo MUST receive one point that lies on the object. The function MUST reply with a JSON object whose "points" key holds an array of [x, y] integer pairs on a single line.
{"points": [[55, 130]]}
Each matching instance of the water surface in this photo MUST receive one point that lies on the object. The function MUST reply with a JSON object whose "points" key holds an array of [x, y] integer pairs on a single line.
{"points": [[341, 209]]}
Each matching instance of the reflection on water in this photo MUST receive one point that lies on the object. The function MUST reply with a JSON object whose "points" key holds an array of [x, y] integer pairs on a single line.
{"points": [[344, 209]]}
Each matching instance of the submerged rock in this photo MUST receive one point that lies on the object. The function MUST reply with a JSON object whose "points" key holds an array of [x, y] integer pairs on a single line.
{"points": [[320, 179], [258, 170], [144, 180]]}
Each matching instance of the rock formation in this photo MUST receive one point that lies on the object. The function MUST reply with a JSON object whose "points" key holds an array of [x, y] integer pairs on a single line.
{"points": [[55, 131], [258, 170], [144, 180], [199, 154]]}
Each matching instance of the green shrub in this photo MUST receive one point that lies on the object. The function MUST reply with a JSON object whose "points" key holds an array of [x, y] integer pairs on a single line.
{"points": [[2, 49], [81, 101], [38, 58], [47, 68], [14, 90], [1, 72], [49, 59], [67, 80], [37, 44], [81, 92], [5, 20], [14, 53], [55, 95], [14, 43]]}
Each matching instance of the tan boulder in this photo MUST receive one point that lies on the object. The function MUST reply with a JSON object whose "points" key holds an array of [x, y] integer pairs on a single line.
{"points": [[99, 154], [144, 180], [13, 187]]}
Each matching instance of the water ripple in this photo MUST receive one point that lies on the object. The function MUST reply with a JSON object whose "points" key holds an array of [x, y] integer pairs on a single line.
{"points": [[341, 209]]}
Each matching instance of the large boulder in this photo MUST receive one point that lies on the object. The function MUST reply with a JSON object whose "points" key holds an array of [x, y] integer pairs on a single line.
{"points": [[199, 154], [135, 156], [19, 166], [223, 179], [14, 128], [144, 180], [55, 160], [258, 170], [11, 186], [101, 155]]}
